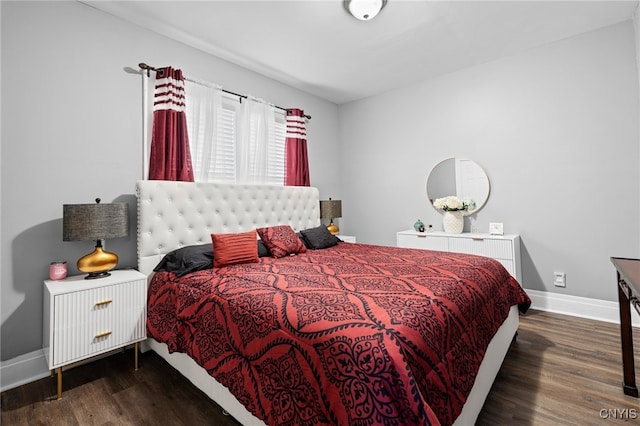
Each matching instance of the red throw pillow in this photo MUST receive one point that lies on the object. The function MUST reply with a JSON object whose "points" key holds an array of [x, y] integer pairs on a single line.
{"points": [[281, 240], [229, 249]]}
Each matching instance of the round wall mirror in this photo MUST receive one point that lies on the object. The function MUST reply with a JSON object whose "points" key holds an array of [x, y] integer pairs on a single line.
{"points": [[460, 177]]}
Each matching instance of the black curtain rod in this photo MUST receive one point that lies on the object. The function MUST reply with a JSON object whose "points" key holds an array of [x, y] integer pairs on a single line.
{"points": [[149, 68]]}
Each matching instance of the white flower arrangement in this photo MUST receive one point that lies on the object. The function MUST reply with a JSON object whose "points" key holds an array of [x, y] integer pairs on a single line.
{"points": [[453, 204]]}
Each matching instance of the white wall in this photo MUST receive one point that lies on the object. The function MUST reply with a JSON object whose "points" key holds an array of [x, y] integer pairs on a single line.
{"points": [[555, 128], [72, 131]]}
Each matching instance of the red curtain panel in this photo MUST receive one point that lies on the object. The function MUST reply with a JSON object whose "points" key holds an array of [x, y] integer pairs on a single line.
{"points": [[170, 157], [296, 158]]}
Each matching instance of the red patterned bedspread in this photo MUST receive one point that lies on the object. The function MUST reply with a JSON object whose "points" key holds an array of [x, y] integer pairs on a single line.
{"points": [[354, 334]]}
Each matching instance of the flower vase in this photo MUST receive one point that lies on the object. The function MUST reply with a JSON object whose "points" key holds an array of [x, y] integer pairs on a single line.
{"points": [[453, 222]]}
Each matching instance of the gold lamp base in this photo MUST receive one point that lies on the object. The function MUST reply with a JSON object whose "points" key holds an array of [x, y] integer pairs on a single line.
{"points": [[98, 263], [333, 228]]}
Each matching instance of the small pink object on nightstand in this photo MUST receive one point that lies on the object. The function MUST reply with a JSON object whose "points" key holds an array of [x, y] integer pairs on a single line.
{"points": [[58, 270]]}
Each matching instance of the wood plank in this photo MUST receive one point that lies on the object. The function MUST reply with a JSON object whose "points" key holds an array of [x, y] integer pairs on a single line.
{"points": [[92, 404]]}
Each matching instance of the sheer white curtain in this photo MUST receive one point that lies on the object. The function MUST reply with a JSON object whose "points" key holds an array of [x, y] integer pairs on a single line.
{"points": [[233, 140], [204, 111], [255, 131]]}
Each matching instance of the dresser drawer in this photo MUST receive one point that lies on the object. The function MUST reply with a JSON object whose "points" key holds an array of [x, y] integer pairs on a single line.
{"points": [[97, 320], [495, 248], [509, 265], [423, 241], [503, 248]]}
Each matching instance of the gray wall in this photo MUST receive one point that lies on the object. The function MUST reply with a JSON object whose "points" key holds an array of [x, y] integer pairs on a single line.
{"points": [[72, 131], [555, 128]]}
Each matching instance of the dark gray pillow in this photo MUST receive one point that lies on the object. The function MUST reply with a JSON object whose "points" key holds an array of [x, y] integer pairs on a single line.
{"points": [[189, 259], [263, 251], [318, 238]]}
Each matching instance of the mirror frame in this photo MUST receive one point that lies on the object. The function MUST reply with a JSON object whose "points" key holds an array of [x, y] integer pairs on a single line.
{"points": [[479, 204]]}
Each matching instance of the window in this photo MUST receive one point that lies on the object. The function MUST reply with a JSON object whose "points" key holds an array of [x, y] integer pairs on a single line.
{"points": [[234, 140]]}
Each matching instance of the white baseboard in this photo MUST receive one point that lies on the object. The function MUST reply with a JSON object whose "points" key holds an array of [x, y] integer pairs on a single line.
{"points": [[23, 369], [33, 366], [601, 310]]}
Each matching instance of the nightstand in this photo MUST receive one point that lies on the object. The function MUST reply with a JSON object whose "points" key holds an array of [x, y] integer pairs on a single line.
{"points": [[84, 318], [347, 238]]}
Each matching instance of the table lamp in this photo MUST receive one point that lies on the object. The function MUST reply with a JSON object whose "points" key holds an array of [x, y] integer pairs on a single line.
{"points": [[331, 209], [86, 222]]}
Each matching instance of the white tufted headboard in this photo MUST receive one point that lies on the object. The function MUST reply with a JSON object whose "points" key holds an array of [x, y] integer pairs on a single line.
{"points": [[176, 214]]}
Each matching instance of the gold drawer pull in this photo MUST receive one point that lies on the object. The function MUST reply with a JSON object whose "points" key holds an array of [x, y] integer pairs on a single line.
{"points": [[105, 334], [421, 235], [477, 238], [104, 302]]}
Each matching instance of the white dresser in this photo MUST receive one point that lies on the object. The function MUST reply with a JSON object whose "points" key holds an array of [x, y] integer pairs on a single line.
{"points": [[504, 248]]}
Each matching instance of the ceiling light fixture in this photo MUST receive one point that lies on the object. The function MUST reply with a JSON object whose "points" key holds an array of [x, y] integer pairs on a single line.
{"points": [[364, 10]]}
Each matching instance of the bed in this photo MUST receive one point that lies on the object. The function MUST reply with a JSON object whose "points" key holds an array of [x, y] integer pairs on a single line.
{"points": [[336, 335]]}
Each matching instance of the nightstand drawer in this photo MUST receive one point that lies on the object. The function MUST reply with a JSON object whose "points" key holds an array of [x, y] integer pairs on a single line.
{"points": [[74, 344], [92, 321]]}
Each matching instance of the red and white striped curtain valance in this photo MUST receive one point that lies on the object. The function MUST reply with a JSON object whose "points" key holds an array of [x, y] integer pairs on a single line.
{"points": [[169, 91], [296, 127]]}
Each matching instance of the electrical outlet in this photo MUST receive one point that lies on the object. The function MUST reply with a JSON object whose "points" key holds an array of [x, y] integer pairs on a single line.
{"points": [[559, 279]]}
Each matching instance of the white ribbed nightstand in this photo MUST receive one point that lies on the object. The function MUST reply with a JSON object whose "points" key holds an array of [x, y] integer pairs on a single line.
{"points": [[84, 318]]}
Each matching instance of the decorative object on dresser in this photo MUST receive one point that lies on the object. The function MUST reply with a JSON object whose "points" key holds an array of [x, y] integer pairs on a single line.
{"points": [[457, 187], [461, 178], [57, 270], [418, 226], [453, 222], [97, 222], [454, 211], [83, 319], [331, 209], [496, 228], [503, 248]]}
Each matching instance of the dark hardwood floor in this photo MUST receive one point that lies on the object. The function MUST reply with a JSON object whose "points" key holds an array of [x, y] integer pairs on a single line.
{"points": [[561, 371]]}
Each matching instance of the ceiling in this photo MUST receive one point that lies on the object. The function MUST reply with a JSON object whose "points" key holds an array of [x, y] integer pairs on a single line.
{"points": [[315, 46]]}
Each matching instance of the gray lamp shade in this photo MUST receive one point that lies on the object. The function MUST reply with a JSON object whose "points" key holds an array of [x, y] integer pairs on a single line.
{"points": [[330, 209], [85, 222]]}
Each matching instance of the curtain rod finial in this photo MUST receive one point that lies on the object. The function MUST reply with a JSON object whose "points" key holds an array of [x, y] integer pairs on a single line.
{"points": [[146, 67]]}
